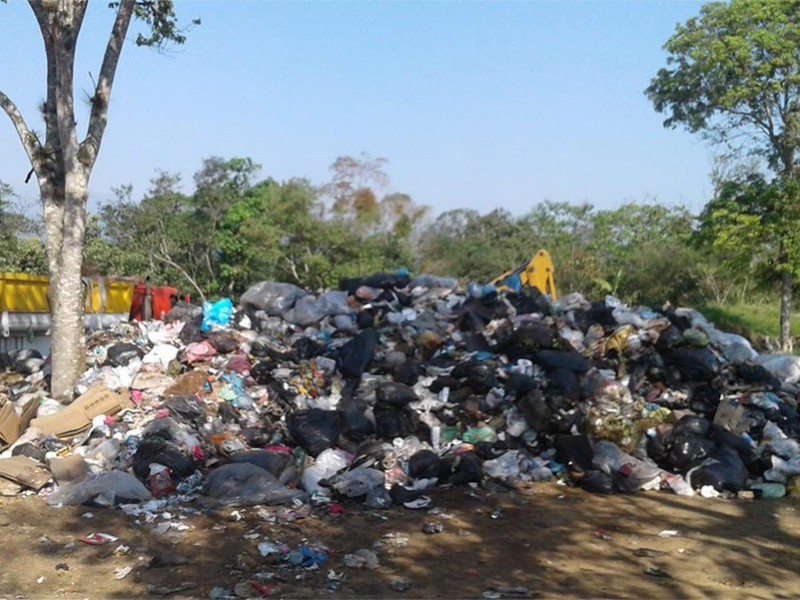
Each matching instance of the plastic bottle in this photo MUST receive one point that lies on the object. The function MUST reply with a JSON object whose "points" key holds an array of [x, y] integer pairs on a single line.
{"points": [[769, 491]]}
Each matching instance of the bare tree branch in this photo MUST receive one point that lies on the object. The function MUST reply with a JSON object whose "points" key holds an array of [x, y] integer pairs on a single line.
{"points": [[28, 139], [162, 254], [99, 115]]}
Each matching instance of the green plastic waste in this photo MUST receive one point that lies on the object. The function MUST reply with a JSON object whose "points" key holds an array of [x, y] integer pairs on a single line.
{"points": [[479, 434]]}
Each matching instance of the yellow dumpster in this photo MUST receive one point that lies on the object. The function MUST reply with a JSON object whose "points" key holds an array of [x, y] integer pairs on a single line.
{"points": [[21, 293], [110, 296]]}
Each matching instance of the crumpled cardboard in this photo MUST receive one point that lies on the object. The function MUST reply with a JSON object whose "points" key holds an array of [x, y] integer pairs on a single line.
{"points": [[12, 425], [24, 471], [77, 417]]}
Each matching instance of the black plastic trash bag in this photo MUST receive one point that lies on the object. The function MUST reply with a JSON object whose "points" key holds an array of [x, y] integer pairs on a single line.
{"points": [[314, 430], [724, 470], [598, 313], [31, 451], [395, 394], [755, 463], [564, 383], [693, 425], [597, 482], [692, 364], [356, 355], [120, 355], [274, 462], [530, 300], [184, 311], [357, 421], [408, 373], [574, 451], [526, 339], [519, 384], [687, 451], [261, 372], [186, 409], [475, 313], [464, 468], [537, 413], [560, 359], [306, 348], [757, 374], [481, 378], [424, 464], [378, 280], [191, 333], [156, 449], [393, 421]]}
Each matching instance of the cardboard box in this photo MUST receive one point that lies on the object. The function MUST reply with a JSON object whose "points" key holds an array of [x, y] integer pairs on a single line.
{"points": [[77, 417]]}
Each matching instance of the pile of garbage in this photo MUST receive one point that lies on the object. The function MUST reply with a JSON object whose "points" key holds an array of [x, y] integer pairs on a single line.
{"points": [[389, 386]]}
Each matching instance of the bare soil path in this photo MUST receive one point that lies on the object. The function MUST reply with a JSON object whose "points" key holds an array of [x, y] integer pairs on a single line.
{"points": [[537, 541]]}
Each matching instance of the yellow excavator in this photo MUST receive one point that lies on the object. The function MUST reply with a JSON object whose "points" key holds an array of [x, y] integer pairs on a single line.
{"points": [[537, 273]]}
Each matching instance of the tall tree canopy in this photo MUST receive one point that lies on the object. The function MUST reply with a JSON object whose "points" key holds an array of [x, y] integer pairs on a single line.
{"points": [[62, 161], [733, 74]]}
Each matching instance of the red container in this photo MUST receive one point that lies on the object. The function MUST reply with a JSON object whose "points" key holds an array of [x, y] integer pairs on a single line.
{"points": [[162, 298]]}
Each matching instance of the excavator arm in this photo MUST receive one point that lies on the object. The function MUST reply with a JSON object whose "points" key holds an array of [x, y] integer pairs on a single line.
{"points": [[537, 273]]}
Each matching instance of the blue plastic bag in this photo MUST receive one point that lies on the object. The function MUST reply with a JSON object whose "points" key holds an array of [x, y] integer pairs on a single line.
{"points": [[217, 314]]}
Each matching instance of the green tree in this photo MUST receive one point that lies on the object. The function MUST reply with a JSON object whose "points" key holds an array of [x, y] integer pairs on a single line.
{"points": [[273, 231], [644, 253], [218, 186], [464, 243], [733, 74], [21, 248], [747, 225], [63, 163]]}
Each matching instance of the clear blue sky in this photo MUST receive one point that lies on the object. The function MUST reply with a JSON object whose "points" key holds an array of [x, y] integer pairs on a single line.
{"points": [[475, 104]]}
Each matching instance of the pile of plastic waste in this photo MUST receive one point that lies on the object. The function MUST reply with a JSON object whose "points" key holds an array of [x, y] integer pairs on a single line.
{"points": [[390, 386]]}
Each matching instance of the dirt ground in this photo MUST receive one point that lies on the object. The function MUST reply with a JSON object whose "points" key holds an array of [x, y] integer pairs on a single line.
{"points": [[539, 541]]}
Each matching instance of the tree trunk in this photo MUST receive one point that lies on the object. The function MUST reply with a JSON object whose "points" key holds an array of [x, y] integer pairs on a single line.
{"points": [[63, 166], [66, 311], [787, 288]]}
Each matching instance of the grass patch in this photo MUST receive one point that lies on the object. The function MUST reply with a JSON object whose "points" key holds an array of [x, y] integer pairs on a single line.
{"points": [[753, 321]]}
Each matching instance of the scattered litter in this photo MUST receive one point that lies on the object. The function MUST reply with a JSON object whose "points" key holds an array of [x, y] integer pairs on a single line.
{"points": [[399, 584], [98, 539], [657, 572], [432, 528], [360, 559], [668, 533]]}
